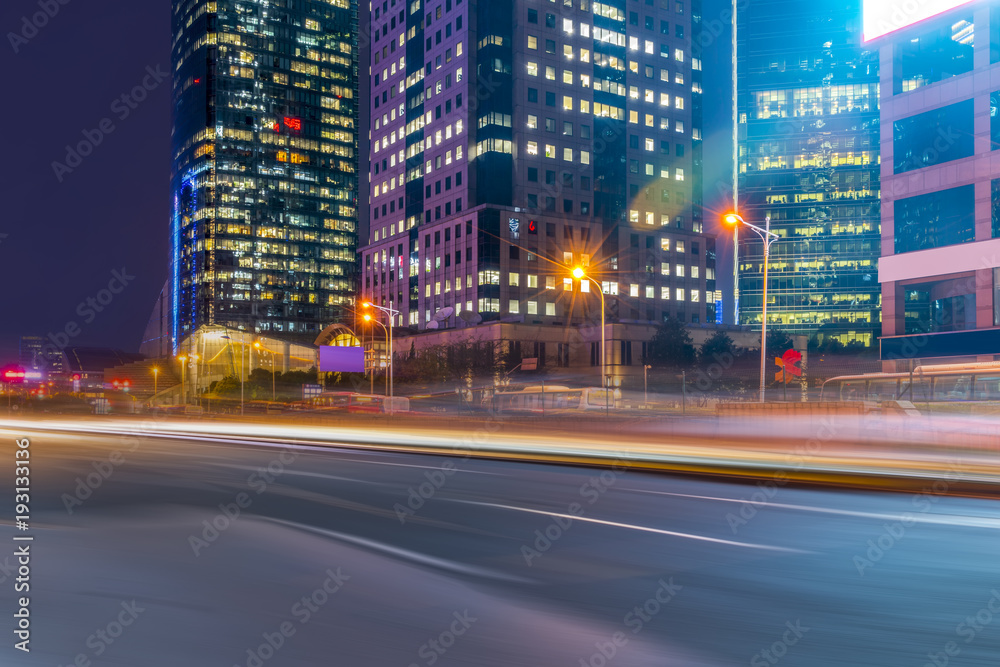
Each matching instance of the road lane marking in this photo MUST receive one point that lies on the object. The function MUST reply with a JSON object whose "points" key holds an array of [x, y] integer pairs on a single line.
{"points": [[648, 529], [399, 552], [918, 515]]}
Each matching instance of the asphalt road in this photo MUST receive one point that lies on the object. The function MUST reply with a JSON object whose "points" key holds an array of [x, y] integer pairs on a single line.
{"points": [[179, 552]]}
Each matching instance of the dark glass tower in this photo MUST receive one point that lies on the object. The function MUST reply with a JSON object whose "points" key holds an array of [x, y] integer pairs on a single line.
{"points": [[515, 139], [264, 178], [808, 157]]}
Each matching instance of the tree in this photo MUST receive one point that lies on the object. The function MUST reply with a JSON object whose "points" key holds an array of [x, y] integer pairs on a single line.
{"points": [[724, 367], [823, 344], [671, 346], [718, 348], [297, 378], [778, 342]]}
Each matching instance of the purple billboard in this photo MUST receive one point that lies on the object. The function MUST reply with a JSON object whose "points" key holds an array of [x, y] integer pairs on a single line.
{"points": [[333, 359]]}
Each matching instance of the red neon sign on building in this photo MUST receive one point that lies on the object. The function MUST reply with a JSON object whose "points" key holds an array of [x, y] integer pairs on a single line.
{"points": [[293, 123]]}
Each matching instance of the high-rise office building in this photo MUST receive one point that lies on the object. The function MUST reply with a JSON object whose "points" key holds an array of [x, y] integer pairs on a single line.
{"points": [[808, 157], [38, 353], [264, 179], [516, 139], [940, 266]]}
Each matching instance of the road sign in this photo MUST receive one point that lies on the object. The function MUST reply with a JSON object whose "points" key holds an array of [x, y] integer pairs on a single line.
{"points": [[529, 364]]}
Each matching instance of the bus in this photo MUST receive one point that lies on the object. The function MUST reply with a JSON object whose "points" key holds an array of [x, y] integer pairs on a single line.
{"points": [[348, 401], [378, 404], [538, 398], [924, 384]]}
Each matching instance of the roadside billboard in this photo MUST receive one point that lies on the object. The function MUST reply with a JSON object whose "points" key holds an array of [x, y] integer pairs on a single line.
{"points": [[336, 359]]}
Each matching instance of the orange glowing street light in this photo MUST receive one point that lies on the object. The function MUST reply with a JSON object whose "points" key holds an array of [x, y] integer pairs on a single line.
{"points": [[768, 237], [183, 359], [259, 348], [391, 313], [581, 274], [368, 318]]}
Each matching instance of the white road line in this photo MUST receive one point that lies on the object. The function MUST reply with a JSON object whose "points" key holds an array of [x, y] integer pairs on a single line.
{"points": [[399, 552], [918, 515], [702, 538]]}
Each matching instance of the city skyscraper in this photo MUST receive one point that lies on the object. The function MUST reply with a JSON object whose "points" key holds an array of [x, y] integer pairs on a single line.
{"points": [[940, 266], [514, 140], [264, 179], [808, 156]]}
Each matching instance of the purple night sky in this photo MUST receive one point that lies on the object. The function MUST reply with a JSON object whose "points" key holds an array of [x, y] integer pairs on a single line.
{"points": [[60, 241]]}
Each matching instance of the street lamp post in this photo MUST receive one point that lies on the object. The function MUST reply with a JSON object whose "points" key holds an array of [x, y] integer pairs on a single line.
{"points": [[243, 369], [156, 373], [369, 318], [767, 237], [183, 359], [270, 353], [243, 340], [645, 385], [580, 274], [197, 375], [392, 315]]}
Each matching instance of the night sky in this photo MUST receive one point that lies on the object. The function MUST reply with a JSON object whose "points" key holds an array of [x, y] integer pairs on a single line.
{"points": [[60, 241]]}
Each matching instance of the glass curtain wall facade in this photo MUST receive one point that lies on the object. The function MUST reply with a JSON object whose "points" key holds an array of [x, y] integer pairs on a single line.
{"points": [[808, 157], [264, 178], [514, 140], [941, 208]]}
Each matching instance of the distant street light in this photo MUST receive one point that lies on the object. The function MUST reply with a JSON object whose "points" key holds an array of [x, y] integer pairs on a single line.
{"points": [[242, 364], [197, 375], [183, 359], [768, 237], [270, 353], [368, 318], [645, 384], [580, 274], [392, 315]]}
